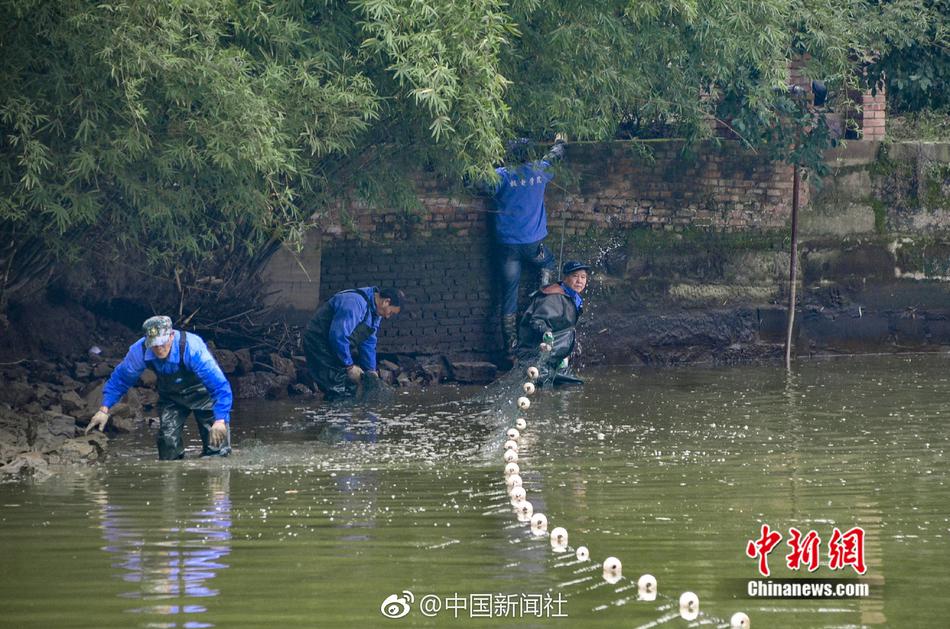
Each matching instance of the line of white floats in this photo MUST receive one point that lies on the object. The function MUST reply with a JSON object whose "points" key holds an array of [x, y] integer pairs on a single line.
{"points": [[613, 569]]}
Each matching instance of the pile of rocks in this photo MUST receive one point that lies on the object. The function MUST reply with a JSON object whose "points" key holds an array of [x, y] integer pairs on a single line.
{"points": [[273, 376], [43, 406]]}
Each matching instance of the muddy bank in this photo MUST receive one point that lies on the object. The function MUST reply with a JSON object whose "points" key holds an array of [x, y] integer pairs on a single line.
{"points": [[676, 338], [743, 334]]}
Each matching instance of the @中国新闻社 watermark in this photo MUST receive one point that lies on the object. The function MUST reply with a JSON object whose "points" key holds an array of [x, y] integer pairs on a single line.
{"points": [[457, 605]]}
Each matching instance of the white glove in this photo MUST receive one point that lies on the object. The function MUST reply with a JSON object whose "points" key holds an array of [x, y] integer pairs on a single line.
{"points": [[219, 432], [99, 420]]}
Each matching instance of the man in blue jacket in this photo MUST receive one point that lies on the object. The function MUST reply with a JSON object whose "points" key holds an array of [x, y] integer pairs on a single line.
{"points": [[340, 340], [521, 226], [189, 380]]}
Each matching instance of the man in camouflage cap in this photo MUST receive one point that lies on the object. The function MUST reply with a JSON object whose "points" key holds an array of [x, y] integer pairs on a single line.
{"points": [[189, 380]]}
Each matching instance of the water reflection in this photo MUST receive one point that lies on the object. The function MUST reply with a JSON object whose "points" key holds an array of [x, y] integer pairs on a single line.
{"points": [[358, 487], [361, 425], [801, 406], [173, 561]]}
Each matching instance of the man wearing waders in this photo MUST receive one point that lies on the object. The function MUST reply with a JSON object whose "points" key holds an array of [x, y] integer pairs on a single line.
{"points": [[551, 319], [521, 226], [189, 381], [345, 325]]}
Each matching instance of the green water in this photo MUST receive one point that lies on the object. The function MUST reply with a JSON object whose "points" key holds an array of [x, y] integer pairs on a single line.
{"points": [[319, 516]]}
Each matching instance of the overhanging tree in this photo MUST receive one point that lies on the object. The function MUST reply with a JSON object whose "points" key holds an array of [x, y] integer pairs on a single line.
{"points": [[172, 136]]}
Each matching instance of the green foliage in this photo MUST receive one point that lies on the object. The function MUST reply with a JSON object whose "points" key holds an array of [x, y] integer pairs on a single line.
{"points": [[169, 130], [170, 136], [935, 186], [912, 38], [927, 125], [591, 67], [880, 214], [624, 68], [441, 55], [174, 135]]}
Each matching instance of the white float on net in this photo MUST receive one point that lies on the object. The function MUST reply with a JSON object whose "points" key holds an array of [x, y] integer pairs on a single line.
{"points": [[612, 567], [559, 539], [518, 495], [539, 524], [646, 583], [525, 511], [689, 606]]}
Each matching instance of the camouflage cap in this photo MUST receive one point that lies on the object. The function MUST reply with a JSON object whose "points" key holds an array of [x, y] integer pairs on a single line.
{"points": [[158, 330]]}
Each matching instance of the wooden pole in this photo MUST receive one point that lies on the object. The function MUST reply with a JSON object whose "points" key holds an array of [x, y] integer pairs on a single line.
{"points": [[792, 269]]}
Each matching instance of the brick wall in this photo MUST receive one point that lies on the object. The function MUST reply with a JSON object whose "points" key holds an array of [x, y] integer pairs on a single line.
{"points": [[724, 188], [447, 282], [442, 256], [871, 118]]}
